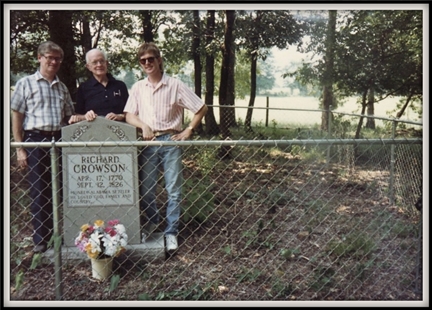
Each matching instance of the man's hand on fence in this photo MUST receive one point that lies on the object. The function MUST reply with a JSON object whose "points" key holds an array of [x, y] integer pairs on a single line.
{"points": [[22, 157]]}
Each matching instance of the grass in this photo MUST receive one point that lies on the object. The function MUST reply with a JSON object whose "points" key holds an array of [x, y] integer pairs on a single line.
{"points": [[338, 244], [356, 245]]}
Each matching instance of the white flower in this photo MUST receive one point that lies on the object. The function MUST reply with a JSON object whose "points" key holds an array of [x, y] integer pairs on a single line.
{"points": [[120, 229], [110, 245], [95, 243]]}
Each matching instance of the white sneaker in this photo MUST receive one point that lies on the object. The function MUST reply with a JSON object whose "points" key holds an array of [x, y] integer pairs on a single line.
{"points": [[148, 230], [171, 242]]}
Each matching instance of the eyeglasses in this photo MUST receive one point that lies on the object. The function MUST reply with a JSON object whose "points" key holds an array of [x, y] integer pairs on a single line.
{"points": [[149, 60], [51, 59], [96, 62]]}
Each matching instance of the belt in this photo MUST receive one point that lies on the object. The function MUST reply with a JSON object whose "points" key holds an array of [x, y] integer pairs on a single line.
{"points": [[165, 132], [45, 133]]}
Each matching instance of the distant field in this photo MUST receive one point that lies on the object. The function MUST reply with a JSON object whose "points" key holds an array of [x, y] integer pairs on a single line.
{"points": [[283, 117]]}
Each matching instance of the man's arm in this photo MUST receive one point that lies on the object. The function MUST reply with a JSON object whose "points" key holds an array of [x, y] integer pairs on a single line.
{"points": [[134, 120], [17, 126], [18, 134], [188, 131], [198, 116]]}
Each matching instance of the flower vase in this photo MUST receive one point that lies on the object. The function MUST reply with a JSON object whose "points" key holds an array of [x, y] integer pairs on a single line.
{"points": [[101, 267]]}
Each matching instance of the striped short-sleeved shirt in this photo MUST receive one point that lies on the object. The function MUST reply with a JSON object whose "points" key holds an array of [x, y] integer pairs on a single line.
{"points": [[161, 107], [44, 104]]}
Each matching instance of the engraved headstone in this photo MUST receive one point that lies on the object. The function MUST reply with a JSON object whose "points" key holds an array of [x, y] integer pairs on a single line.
{"points": [[100, 182]]}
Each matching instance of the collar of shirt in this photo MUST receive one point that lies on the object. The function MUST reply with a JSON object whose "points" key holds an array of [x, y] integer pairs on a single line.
{"points": [[39, 76], [163, 81], [94, 82]]}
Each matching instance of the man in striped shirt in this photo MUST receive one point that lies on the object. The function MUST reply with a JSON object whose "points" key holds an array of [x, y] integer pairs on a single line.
{"points": [[41, 104], [155, 105]]}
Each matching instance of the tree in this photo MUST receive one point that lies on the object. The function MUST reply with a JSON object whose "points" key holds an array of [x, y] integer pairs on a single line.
{"points": [[60, 29], [260, 30], [309, 75], [147, 25], [328, 73], [76, 32], [101, 29], [196, 42], [28, 30], [178, 38], [86, 38], [226, 98], [230, 117], [406, 68], [226, 114], [380, 55], [376, 54], [211, 126]]}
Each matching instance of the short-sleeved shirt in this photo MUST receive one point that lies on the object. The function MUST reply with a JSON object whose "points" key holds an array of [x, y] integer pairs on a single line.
{"points": [[161, 107], [93, 95], [45, 104]]}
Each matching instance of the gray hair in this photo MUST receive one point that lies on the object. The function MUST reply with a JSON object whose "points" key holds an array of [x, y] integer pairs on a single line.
{"points": [[95, 50]]}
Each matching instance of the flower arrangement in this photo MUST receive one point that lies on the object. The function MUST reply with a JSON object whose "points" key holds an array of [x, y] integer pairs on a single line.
{"points": [[100, 241]]}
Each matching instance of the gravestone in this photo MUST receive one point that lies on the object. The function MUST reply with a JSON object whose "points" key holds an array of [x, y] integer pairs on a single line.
{"points": [[100, 182]]}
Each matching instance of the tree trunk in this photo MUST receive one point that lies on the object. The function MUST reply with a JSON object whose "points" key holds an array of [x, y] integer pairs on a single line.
{"points": [[147, 34], [212, 127], [231, 119], [196, 52], [329, 68], [60, 29], [197, 58], [248, 120], [360, 123], [370, 122], [224, 150], [225, 71], [86, 40], [402, 110]]}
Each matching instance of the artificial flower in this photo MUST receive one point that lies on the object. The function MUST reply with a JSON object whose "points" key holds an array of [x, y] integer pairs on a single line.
{"points": [[99, 241]]}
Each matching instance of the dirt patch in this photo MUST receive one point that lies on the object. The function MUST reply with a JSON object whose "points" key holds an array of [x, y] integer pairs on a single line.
{"points": [[290, 231]]}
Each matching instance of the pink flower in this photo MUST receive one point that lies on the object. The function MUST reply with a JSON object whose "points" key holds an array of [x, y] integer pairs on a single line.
{"points": [[113, 222], [111, 231]]}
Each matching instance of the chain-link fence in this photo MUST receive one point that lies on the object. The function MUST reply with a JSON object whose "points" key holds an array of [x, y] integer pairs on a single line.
{"points": [[307, 217]]}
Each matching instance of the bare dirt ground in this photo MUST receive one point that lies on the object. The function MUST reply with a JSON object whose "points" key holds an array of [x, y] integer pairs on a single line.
{"points": [[257, 246]]}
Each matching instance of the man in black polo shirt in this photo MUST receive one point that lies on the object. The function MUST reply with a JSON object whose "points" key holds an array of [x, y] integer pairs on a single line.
{"points": [[101, 94]]}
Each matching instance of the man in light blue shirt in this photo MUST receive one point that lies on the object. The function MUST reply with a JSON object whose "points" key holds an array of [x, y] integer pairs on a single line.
{"points": [[41, 104]]}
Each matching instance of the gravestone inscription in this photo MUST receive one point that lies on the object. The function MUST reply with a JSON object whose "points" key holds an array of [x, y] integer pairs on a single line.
{"points": [[100, 182]]}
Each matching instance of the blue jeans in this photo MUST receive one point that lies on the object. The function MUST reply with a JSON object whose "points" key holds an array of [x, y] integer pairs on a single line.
{"points": [[152, 160]]}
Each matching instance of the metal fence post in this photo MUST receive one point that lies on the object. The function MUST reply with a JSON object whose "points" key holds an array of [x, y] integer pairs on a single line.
{"points": [[392, 165], [329, 133], [267, 111], [56, 220]]}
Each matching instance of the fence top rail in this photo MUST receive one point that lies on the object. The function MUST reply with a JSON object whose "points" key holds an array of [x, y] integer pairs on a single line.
{"points": [[222, 143], [391, 119]]}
